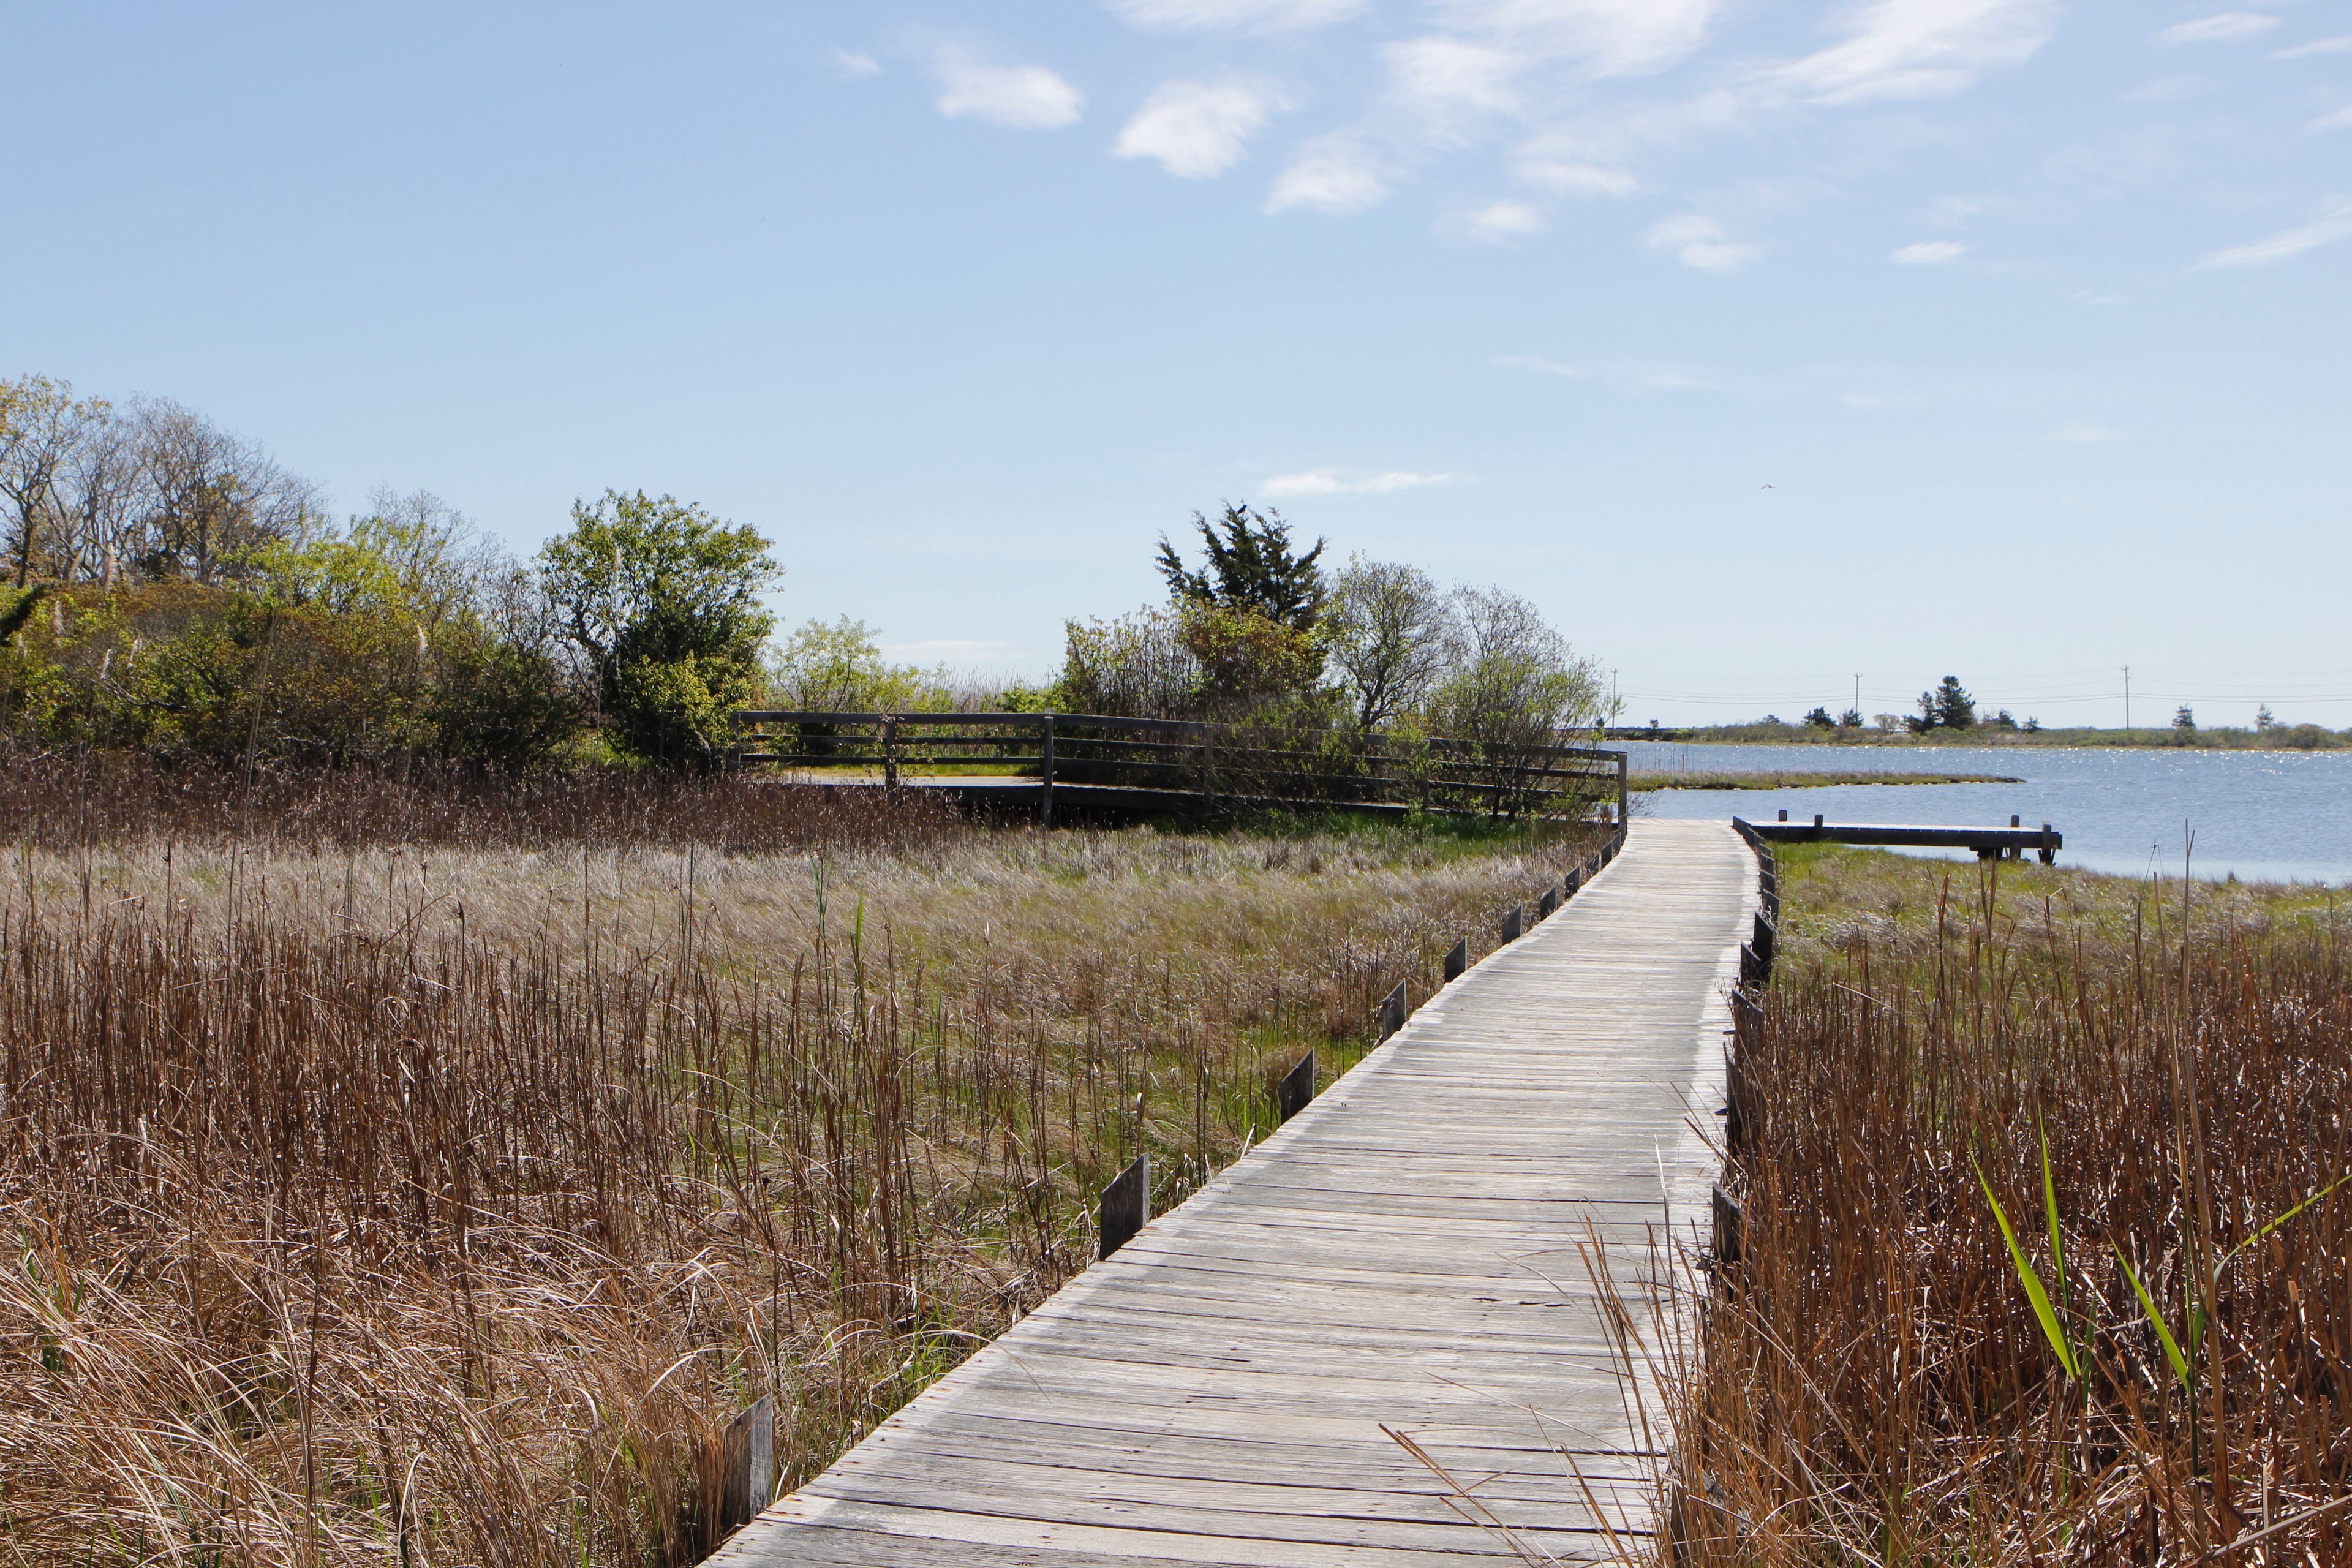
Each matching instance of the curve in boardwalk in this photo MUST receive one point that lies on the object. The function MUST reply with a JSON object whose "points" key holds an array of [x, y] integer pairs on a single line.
{"points": [[1402, 1253]]}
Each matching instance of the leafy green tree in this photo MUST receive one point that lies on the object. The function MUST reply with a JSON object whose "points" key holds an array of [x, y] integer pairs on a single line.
{"points": [[1819, 719], [2183, 718], [663, 600], [1250, 566], [838, 668], [1198, 660]]}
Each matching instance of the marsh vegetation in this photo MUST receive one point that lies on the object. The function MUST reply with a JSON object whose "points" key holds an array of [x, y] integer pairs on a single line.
{"points": [[2046, 1256], [399, 1174]]}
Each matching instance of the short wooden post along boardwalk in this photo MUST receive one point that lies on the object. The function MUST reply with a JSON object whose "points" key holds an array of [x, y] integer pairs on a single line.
{"points": [[1402, 1253]]}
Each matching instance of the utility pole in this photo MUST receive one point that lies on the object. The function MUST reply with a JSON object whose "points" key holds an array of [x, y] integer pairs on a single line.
{"points": [[2127, 697], [1857, 694]]}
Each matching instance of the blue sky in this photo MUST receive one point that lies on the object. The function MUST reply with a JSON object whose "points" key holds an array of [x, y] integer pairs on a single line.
{"points": [[1761, 345]]}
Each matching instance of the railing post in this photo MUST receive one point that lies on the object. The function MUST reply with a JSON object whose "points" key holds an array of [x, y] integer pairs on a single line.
{"points": [[1393, 1011], [1125, 1206], [1457, 959], [1728, 1241], [1045, 778], [744, 1460], [1621, 797], [1513, 923], [890, 753], [1296, 1088]]}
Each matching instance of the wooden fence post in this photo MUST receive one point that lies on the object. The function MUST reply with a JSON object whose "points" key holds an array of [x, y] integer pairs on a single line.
{"points": [[1393, 1011], [1457, 959], [1125, 1206], [1296, 1088], [1513, 923], [1727, 1227], [1045, 778], [890, 752], [1549, 904], [746, 1479]]}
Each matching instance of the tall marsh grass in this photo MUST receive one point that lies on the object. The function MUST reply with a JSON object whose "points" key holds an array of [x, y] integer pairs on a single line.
{"points": [[1874, 1380], [434, 1195]]}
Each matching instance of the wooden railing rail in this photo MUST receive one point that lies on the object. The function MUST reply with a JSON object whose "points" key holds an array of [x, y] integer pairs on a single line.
{"points": [[1192, 756]]}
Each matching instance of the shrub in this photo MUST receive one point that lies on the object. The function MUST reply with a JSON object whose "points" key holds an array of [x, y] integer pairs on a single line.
{"points": [[663, 599]]}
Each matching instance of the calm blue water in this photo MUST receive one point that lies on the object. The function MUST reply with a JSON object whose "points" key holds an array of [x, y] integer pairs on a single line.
{"points": [[2267, 815]]}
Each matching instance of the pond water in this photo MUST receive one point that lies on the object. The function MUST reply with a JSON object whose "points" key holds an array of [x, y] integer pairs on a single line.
{"points": [[2257, 815]]}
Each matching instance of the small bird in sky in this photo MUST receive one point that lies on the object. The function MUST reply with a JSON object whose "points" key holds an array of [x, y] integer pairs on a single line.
{"points": [[1767, 487]]}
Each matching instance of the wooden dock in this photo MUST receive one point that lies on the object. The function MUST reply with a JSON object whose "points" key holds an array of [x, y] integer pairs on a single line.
{"points": [[1403, 1254], [1989, 843]]}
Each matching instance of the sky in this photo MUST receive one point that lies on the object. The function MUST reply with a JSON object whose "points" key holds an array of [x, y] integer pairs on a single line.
{"points": [[1767, 348]]}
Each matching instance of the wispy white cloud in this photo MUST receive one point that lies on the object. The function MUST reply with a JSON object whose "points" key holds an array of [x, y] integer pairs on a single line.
{"points": [[1920, 48], [1593, 154], [1236, 15], [1568, 176], [2166, 90], [2334, 223], [2221, 28], [2335, 120], [1327, 482], [1497, 223], [1697, 240], [2338, 45], [853, 63], [1600, 37], [1198, 129], [2083, 435], [1334, 174], [1452, 84], [1540, 366], [1929, 253], [1026, 97]]}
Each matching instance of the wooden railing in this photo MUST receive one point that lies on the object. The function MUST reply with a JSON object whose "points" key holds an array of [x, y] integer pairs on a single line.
{"points": [[1235, 763]]}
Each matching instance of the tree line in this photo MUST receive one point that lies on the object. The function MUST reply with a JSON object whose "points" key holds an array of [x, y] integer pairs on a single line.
{"points": [[173, 588]]}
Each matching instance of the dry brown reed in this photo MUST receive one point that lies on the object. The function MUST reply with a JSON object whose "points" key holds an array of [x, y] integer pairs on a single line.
{"points": [[77, 798], [376, 1201], [1871, 1382]]}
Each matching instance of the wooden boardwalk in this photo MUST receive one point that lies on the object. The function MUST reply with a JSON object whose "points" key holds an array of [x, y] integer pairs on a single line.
{"points": [[1403, 1253]]}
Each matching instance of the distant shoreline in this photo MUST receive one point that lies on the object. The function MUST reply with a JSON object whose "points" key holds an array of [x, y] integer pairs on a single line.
{"points": [[1638, 782], [2282, 738]]}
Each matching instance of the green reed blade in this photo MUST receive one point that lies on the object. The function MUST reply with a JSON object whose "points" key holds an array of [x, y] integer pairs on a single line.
{"points": [[2155, 1320], [2048, 1315]]}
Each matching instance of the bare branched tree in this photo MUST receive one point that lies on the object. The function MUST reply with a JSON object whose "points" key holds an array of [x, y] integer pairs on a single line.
{"points": [[1392, 637], [212, 497], [40, 425], [1518, 690]]}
